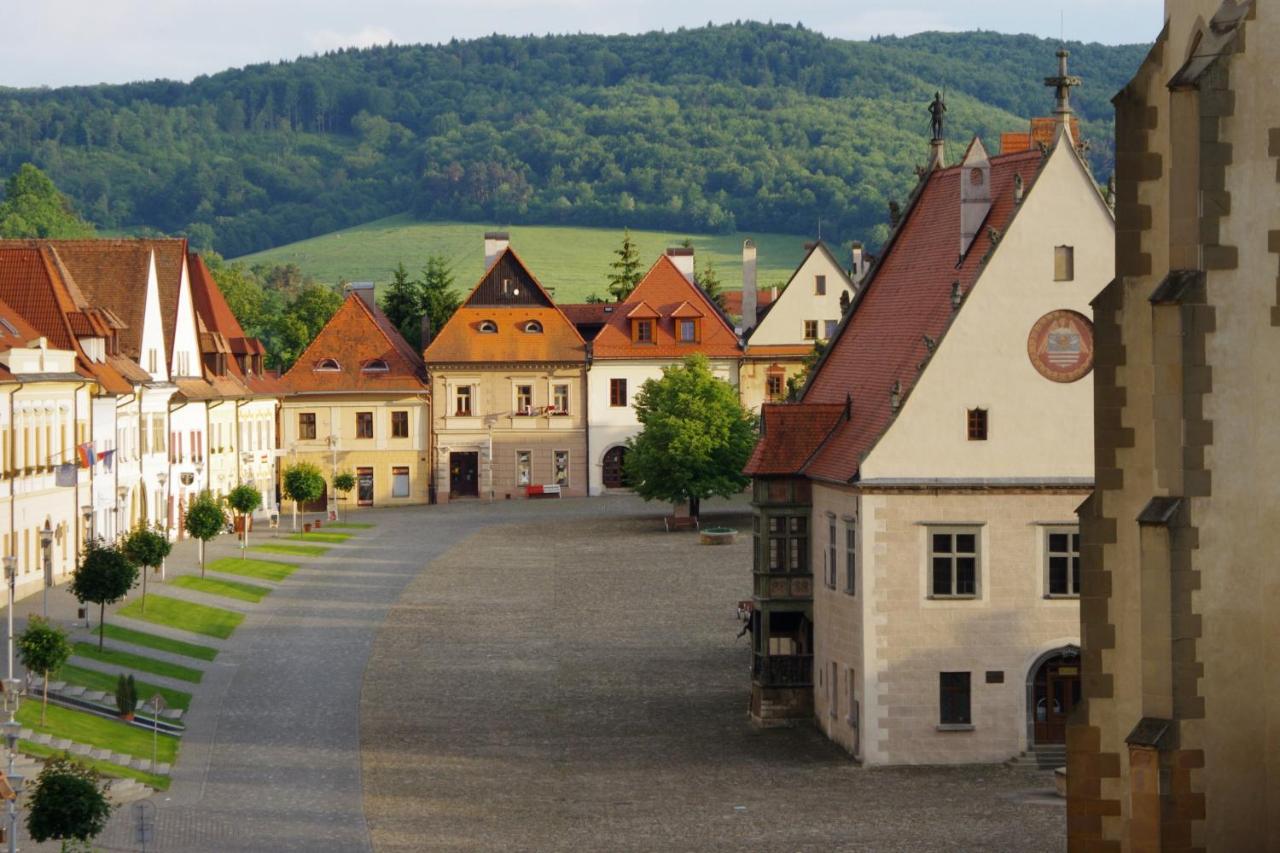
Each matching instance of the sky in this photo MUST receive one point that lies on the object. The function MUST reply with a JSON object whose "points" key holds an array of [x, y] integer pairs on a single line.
{"points": [[71, 42]]}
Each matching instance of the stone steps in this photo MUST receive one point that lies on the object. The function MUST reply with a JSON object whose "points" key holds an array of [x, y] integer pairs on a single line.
{"points": [[1041, 758]]}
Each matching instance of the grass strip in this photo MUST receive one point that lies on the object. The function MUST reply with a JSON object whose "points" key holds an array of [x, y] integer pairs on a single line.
{"points": [[106, 768], [321, 536], [185, 616], [294, 550], [348, 525], [155, 641], [227, 589], [128, 660], [101, 732], [95, 680], [266, 570]]}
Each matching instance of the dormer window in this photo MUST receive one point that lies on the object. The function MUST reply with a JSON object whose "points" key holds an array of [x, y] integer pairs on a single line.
{"points": [[533, 327], [975, 177], [375, 365], [488, 327], [687, 331], [327, 365], [643, 331]]}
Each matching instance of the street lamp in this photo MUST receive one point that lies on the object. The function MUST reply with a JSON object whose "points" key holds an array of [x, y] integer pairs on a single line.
{"points": [[87, 512], [163, 478], [46, 546], [122, 492], [12, 727]]}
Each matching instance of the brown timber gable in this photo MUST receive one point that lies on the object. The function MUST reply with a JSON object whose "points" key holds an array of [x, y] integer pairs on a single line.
{"points": [[507, 282]]}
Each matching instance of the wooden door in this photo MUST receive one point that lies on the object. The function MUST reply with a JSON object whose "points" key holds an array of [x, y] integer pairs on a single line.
{"points": [[1057, 692], [614, 476], [464, 474], [364, 486]]}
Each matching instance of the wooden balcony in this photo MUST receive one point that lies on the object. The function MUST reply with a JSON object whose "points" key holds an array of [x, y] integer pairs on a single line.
{"points": [[791, 586], [782, 671]]}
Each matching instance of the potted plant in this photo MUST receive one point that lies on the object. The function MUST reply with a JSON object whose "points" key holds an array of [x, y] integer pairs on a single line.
{"points": [[126, 696]]}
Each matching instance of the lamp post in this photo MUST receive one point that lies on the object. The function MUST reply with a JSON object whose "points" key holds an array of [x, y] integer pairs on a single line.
{"points": [[162, 478], [11, 727], [122, 493], [46, 548], [86, 512], [333, 473]]}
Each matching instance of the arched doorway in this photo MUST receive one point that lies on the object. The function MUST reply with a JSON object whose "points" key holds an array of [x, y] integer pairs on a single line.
{"points": [[614, 475], [1053, 691]]}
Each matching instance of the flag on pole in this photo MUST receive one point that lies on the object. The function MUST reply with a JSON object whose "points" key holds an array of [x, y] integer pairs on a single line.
{"points": [[107, 456], [86, 454], [65, 476]]}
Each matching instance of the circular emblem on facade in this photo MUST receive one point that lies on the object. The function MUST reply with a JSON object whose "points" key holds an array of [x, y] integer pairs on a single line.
{"points": [[1060, 346]]}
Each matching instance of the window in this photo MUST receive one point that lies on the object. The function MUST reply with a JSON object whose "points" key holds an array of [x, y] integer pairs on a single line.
{"points": [[953, 699], [832, 566], [533, 327], [560, 467], [617, 392], [977, 424], [327, 365], [1064, 263], [364, 424], [953, 560], [1062, 560], [488, 327], [975, 177], [773, 386], [400, 482], [524, 399], [524, 467], [688, 330], [399, 424], [375, 365], [820, 285], [829, 328], [788, 543], [810, 330], [644, 331], [560, 399], [184, 364], [462, 400], [152, 362], [306, 425], [850, 557]]}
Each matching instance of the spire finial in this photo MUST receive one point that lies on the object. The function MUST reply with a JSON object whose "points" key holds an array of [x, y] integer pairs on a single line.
{"points": [[1062, 85]]}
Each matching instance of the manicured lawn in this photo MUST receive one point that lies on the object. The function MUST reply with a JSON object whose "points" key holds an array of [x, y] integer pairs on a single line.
{"points": [[95, 680], [261, 569], [101, 732], [185, 616], [228, 589], [292, 550], [321, 536], [155, 641], [106, 768], [348, 525], [128, 660]]}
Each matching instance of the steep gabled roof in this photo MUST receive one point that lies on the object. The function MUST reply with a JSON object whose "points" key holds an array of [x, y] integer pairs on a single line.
{"points": [[510, 297], [789, 435], [733, 301], [15, 331], [221, 332], [662, 291], [357, 333]]}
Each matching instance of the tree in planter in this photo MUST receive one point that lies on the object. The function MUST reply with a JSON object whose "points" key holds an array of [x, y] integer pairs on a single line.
{"points": [[126, 696], [67, 803], [204, 521], [696, 437], [303, 483], [343, 483], [43, 648], [105, 575], [244, 499], [147, 547]]}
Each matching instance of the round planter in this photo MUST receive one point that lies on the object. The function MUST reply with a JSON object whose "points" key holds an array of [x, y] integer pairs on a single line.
{"points": [[717, 535]]}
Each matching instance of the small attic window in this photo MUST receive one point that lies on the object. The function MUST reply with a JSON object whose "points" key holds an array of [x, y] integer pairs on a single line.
{"points": [[328, 365], [375, 365], [975, 177], [533, 327], [488, 327]]}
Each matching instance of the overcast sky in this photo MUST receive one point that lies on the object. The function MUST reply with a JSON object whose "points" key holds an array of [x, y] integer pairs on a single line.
{"points": [[61, 42]]}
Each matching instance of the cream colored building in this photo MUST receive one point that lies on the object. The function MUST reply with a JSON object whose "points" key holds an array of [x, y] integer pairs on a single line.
{"points": [[1178, 746], [941, 540]]}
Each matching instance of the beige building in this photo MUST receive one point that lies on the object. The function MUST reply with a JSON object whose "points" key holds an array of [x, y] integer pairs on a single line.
{"points": [[1178, 747], [358, 401], [944, 438], [508, 373]]}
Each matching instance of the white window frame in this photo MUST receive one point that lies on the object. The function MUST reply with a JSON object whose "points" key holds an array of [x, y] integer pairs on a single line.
{"points": [[1047, 554], [528, 473], [954, 530], [471, 400], [516, 408], [568, 396]]}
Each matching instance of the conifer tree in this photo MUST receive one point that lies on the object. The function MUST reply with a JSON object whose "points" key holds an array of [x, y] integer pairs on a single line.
{"points": [[626, 269]]}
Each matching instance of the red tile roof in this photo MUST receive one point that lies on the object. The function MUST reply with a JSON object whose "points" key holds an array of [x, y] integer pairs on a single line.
{"points": [[355, 335], [733, 301], [23, 332], [1043, 132], [789, 434], [906, 298], [663, 290], [221, 332]]}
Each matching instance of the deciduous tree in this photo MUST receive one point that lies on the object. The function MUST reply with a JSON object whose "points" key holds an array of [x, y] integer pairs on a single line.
{"points": [[303, 483], [204, 521], [43, 648], [147, 547], [105, 575], [33, 207], [244, 499], [67, 802]]}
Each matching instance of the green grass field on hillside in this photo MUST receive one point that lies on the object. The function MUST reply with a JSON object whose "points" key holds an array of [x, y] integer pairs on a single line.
{"points": [[573, 262]]}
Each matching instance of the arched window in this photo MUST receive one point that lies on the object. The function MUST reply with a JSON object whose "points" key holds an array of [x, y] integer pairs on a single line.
{"points": [[488, 327], [328, 365], [375, 365], [533, 327]]}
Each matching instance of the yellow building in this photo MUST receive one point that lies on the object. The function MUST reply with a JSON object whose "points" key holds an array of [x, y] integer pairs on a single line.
{"points": [[357, 400]]}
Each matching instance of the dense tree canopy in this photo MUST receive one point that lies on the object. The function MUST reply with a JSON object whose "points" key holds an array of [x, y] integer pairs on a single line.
{"points": [[32, 207], [753, 126]]}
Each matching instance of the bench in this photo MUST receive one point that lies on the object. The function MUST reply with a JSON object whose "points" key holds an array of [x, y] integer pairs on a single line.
{"points": [[542, 491]]}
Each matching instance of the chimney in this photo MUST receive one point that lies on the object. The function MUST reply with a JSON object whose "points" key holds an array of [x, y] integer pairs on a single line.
{"points": [[363, 289], [495, 243], [748, 285], [683, 259], [859, 268], [425, 326], [975, 193]]}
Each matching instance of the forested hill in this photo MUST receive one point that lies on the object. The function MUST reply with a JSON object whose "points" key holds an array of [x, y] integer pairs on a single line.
{"points": [[748, 126]]}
